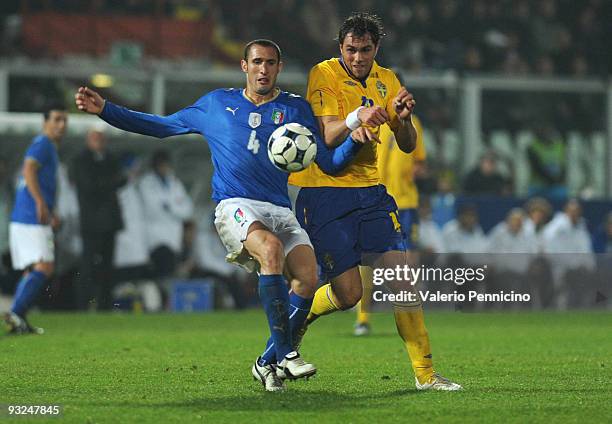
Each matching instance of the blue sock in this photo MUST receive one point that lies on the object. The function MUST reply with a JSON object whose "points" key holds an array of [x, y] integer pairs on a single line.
{"points": [[27, 290], [275, 299], [298, 311]]}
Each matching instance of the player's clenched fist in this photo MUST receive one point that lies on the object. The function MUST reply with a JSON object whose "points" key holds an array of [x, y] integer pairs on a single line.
{"points": [[404, 103], [373, 116], [89, 101]]}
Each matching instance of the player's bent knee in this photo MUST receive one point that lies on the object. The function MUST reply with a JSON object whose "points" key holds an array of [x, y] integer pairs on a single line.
{"points": [[271, 254]]}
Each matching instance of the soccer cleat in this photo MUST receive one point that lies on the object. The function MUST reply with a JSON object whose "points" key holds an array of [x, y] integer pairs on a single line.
{"points": [[266, 375], [361, 329], [293, 367], [18, 325], [437, 382]]}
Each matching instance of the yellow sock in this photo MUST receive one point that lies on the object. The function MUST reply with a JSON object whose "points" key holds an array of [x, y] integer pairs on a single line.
{"points": [[324, 303], [363, 307], [411, 328]]}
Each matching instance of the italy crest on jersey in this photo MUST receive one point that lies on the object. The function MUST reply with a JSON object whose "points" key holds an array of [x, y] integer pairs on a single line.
{"points": [[278, 116], [382, 89], [254, 119]]}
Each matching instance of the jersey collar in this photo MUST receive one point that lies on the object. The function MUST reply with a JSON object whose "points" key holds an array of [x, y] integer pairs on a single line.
{"points": [[277, 92]]}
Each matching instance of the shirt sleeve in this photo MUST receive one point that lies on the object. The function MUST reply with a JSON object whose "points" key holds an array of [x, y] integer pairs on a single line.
{"points": [[39, 151], [322, 93], [185, 121]]}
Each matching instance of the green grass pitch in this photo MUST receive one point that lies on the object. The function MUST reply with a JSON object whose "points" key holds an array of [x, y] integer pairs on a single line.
{"points": [[515, 367]]}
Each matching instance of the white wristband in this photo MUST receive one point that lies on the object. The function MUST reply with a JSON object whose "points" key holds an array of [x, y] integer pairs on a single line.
{"points": [[352, 120]]}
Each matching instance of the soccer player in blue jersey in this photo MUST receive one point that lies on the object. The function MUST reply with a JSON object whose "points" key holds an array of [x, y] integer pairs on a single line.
{"points": [[253, 215], [30, 230]]}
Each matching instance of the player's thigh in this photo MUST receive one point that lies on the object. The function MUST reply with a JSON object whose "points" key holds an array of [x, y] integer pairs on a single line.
{"points": [[331, 222], [347, 288], [234, 218], [379, 227]]}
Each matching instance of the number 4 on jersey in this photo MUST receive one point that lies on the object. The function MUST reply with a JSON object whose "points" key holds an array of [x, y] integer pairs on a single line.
{"points": [[253, 145]]}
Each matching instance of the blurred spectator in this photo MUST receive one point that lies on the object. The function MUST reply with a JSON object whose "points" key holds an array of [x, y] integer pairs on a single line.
{"points": [[97, 175], [567, 244], [602, 240], [539, 211], [547, 159], [443, 202], [166, 207], [131, 260], [131, 242], [510, 236], [486, 178], [464, 234], [430, 236]]}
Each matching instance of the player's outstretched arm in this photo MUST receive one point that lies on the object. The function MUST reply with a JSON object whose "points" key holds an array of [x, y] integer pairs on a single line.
{"points": [[405, 133], [120, 117], [332, 160]]}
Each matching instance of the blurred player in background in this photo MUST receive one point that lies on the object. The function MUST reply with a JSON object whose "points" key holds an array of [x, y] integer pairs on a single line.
{"points": [[396, 171], [351, 216], [253, 215], [32, 220]]}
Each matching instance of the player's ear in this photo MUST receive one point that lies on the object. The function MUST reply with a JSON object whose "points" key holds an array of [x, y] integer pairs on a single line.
{"points": [[243, 65], [280, 66]]}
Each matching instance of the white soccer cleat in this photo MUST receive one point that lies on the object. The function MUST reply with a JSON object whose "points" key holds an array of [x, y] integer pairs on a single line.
{"points": [[266, 375], [437, 382], [361, 330], [293, 367]]}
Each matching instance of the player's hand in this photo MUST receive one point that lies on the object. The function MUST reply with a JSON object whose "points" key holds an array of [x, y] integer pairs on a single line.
{"points": [[404, 103], [56, 223], [373, 116], [89, 101], [364, 135], [42, 213]]}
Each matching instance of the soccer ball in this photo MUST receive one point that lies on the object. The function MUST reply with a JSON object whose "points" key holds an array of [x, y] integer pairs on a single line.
{"points": [[292, 147]]}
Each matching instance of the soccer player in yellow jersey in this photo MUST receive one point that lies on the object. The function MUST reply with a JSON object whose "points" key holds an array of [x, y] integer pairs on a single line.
{"points": [[396, 171], [350, 216]]}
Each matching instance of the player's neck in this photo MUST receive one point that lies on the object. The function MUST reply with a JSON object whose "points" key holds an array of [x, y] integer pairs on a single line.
{"points": [[55, 140], [258, 99]]}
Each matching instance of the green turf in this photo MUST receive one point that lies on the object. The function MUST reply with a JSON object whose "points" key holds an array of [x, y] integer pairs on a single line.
{"points": [[528, 367]]}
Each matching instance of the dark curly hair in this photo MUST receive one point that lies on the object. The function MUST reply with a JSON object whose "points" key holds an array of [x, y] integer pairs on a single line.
{"points": [[360, 24]]}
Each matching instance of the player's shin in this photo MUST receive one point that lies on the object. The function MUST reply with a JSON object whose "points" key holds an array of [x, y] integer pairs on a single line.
{"points": [[324, 303], [364, 306], [275, 299], [411, 328], [28, 289], [298, 311]]}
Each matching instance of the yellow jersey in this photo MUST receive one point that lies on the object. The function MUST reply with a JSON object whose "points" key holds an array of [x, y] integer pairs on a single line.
{"points": [[396, 167], [332, 91]]}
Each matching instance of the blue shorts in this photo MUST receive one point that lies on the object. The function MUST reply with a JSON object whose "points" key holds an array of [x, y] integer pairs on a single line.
{"points": [[346, 222], [409, 219]]}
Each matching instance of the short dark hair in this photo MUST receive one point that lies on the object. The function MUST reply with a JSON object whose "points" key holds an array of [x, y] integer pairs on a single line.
{"points": [[360, 24], [261, 42], [51, 107]]}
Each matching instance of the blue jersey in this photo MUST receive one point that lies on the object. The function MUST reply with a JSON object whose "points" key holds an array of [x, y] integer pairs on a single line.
{"points": [[43, 151], [237, 132]]}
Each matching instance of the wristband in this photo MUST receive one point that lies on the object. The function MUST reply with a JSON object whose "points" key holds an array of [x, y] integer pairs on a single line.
{"points": [[352, 120]]}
